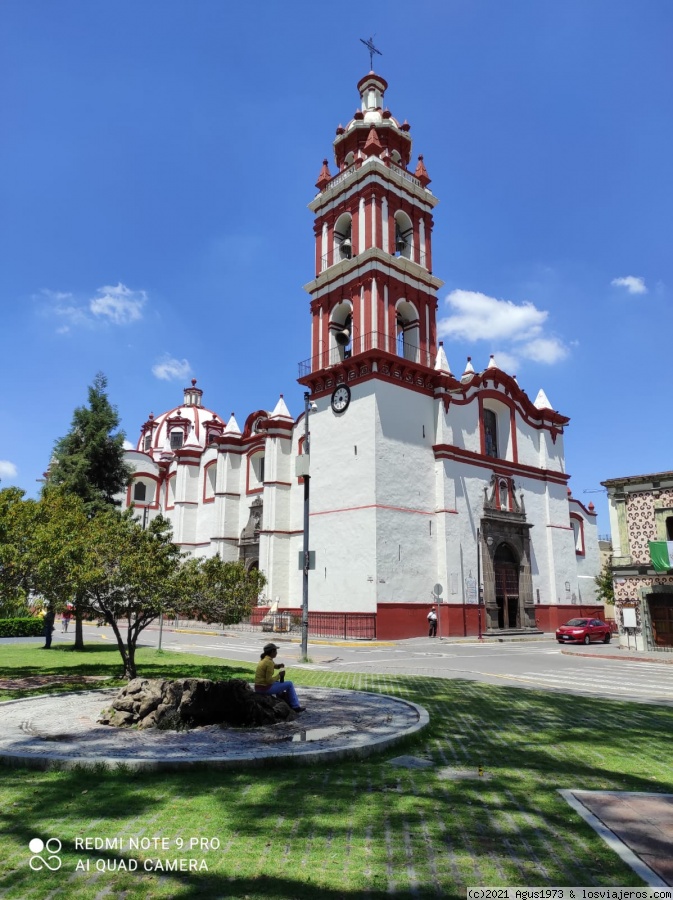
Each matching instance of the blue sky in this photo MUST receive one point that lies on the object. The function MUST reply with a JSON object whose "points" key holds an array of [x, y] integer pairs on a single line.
{"points": [[157, 159]]}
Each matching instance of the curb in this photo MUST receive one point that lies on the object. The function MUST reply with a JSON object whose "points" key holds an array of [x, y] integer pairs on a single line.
{"points": [[620, 658], [376, 738]]}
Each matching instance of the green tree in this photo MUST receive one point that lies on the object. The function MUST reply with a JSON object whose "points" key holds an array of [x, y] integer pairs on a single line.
{"points": [[221, 591], [605, 585], [120, 573], [57, 545], [15, 580], [131, 575], [89, 462]]}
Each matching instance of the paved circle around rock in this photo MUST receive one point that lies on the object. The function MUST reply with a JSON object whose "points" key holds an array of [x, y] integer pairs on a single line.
{"points": [[61, 730]]}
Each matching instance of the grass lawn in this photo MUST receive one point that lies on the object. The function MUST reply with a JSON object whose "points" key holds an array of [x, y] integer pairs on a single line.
{"points": [[343, 830]]}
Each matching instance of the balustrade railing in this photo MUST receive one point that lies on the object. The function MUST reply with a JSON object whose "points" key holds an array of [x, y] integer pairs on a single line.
{"points": [[395, 345], [336, 255]]}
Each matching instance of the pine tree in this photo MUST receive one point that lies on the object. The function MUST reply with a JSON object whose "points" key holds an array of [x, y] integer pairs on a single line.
{"points": [[89, 460]]}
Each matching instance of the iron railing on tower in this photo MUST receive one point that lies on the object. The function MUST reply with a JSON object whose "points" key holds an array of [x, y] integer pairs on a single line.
{"points": [[336, 255], [394, 345]]}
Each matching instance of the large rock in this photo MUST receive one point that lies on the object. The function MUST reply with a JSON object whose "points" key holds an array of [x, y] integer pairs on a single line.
{"points": [[191, 702]]}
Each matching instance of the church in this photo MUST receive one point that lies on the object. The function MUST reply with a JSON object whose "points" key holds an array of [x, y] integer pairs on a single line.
{"points": [[427, 486]]}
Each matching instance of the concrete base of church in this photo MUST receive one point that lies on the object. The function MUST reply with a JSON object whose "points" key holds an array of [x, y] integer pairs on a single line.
{"points": [[398, 621]]}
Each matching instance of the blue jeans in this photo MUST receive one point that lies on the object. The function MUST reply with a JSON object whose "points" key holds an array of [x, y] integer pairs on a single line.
{"points": [[282, 687]]}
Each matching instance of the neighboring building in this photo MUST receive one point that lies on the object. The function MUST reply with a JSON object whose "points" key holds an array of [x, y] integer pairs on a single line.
{"points": [[409, 463], [641, 510]]}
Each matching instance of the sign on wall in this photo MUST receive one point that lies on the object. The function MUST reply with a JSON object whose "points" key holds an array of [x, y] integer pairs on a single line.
{"points": [[470, 589]]}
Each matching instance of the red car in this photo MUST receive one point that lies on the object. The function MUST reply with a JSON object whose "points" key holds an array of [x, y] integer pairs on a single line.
{"points": [[584, 631]]}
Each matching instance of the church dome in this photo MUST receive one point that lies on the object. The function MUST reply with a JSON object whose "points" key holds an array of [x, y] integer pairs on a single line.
{"points": [[189, 425]]}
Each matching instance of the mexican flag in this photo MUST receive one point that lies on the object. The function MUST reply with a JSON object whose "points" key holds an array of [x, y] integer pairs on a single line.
{"points": [[661, 554]]}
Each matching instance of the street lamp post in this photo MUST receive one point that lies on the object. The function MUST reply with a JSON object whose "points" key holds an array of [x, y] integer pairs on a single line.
{"points": [[306, 555], [480, 635]]}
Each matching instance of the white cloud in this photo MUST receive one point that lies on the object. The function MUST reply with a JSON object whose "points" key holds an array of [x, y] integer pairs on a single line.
{"points": [[474, 316], [119, 304], [116, 305], [7, 469], [169, 369], [545, 350], [477, 317], [633, 284], [58, 296]]}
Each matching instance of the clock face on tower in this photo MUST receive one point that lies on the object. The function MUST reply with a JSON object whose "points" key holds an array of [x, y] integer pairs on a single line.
{"points": [[341, 398]]}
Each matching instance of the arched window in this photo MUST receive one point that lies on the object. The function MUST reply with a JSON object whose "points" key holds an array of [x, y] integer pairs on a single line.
{"points": [[256, 472], [170, 491], [341, 332], [139, 492], [404, 232], [408, 332], [578, 534], [343, 247], [209, 479]]}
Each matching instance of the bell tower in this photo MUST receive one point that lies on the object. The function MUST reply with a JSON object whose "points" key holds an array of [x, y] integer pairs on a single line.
{"points": [[373, 375], [373, 300]]}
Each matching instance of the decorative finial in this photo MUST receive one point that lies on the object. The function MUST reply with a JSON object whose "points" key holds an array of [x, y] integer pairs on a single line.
{"points": [[372, 50]]}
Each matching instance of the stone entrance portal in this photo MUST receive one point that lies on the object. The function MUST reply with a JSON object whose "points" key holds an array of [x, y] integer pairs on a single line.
{"points": [[506, 563]]}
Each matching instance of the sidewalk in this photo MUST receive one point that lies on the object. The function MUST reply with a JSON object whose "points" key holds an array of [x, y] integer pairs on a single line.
{"points": [[636, 826], [614, 651]]}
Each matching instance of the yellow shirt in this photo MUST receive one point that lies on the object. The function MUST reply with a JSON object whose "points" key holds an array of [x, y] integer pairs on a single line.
{"points": [[264, 674]]}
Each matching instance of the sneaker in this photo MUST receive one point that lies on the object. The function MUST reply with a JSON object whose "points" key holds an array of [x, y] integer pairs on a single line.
{"points": [[299, 709]]}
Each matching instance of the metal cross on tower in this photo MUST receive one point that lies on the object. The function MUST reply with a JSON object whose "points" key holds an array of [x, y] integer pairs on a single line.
{"points": [[372, 50]]}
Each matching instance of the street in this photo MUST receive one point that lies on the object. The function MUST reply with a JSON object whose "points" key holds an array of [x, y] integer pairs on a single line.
{"points": [[536, 664]]}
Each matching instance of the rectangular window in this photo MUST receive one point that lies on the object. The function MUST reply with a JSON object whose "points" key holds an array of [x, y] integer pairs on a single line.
{"points": [[177, 438], [490, 433]]}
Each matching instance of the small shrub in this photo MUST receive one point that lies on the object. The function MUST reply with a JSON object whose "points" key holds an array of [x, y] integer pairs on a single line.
{"points": [[24, 627]]}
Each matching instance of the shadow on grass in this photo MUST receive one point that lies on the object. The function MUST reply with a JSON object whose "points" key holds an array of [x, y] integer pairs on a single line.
{"points": [[26, 661], [531, 743]]}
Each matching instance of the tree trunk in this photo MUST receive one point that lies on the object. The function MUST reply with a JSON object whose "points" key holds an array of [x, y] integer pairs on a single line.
{"points": [[130, 670], [79, 636], [126, 652]]}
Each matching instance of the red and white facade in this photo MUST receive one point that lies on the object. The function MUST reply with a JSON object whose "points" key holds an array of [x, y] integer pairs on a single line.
{"points": [[412, 465]]}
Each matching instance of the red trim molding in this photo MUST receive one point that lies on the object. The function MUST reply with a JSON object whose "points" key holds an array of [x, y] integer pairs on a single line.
{"points": [[498, 466]]}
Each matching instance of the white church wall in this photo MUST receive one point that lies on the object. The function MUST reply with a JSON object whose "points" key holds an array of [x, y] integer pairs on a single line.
{"points": [[528, 443], [343, 519], [588, 562], [462, 427], [405, 494], [345, 576]]}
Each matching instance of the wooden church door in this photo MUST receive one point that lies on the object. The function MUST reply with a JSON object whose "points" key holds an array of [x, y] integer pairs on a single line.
{"points": [[506, 570]]}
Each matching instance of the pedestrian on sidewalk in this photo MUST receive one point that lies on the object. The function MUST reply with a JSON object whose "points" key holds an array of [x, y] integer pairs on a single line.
{"points": [[65, 618], [266, 682], [432, 622], [48, 623]]}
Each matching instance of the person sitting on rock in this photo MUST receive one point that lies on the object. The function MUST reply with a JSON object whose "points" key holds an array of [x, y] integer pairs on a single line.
{"points": [[266, 682]]}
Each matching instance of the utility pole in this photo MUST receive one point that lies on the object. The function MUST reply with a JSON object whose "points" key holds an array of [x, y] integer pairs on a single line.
{"points": [[306, 555], [479, 583]]}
